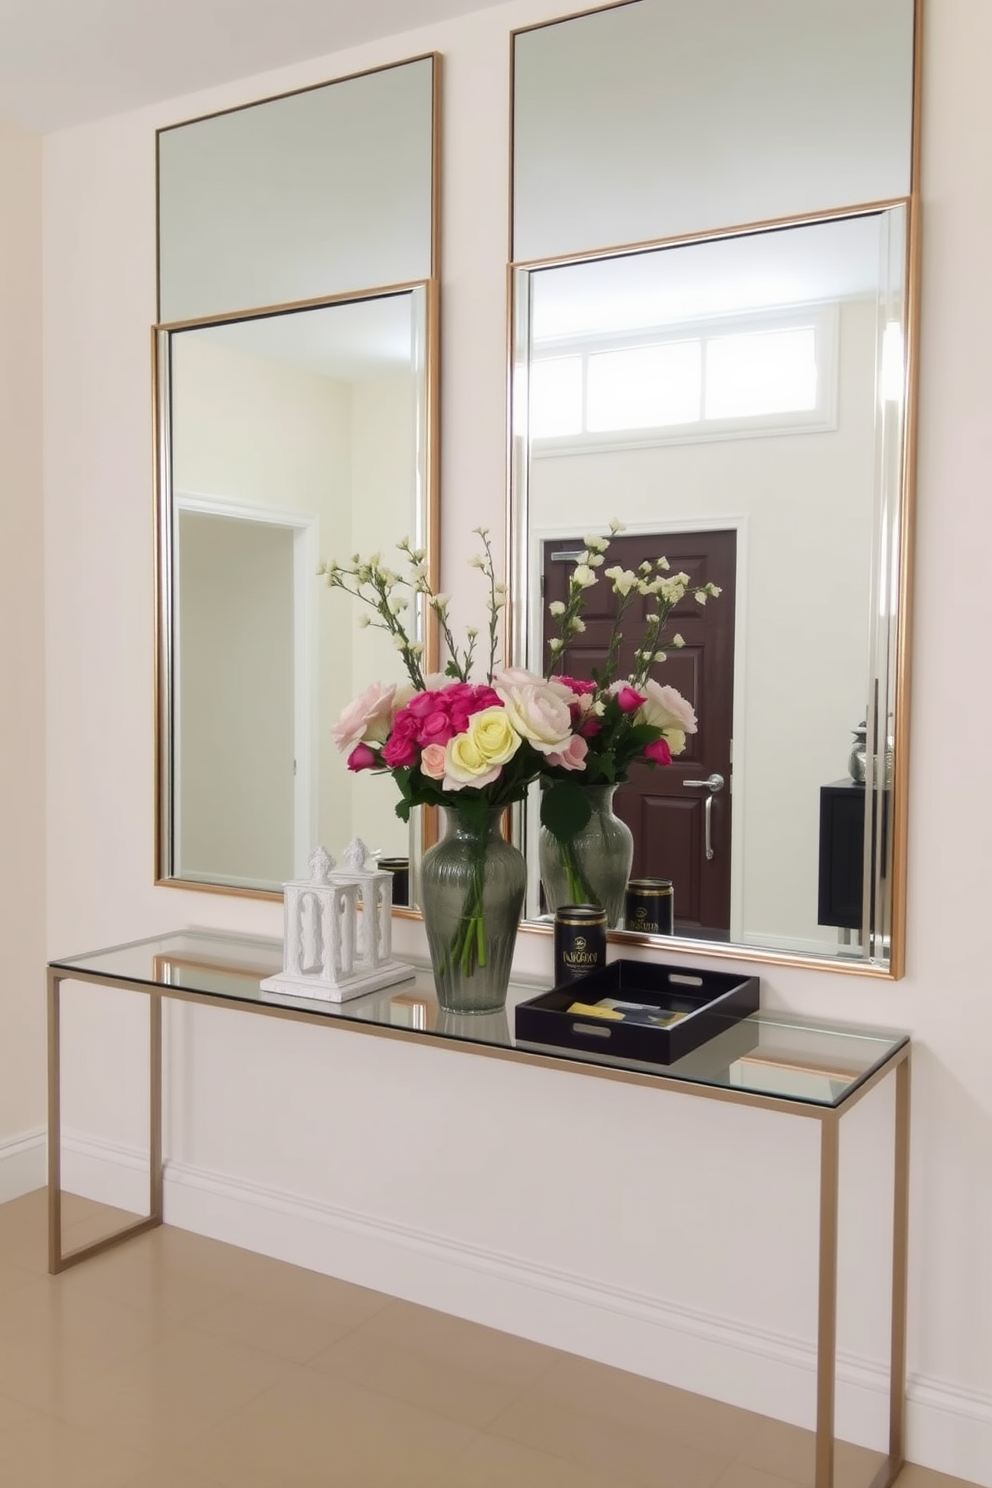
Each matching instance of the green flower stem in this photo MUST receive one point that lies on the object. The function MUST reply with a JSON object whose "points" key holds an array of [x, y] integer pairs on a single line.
{"points": [[579, 890], [468, 948]]}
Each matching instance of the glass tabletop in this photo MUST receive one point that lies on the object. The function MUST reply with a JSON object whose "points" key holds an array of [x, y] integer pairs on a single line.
{"points": [[769, 1054]]}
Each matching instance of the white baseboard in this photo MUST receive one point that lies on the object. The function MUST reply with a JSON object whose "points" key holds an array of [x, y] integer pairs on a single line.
{"points": [[948, 1429], [23, 1164]]}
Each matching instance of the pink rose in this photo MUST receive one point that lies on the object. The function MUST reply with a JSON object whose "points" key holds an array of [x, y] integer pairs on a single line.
{"points": [[366, 719], [362, 758], [432, 761], [658, 752], [628, 701], [589, 726], [573, 756]]}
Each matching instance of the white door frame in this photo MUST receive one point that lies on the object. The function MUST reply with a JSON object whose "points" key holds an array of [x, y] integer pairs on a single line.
{"points": [[303, 526]]}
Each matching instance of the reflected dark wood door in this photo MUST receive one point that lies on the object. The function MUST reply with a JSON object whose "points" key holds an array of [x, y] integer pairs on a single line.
{"points": [[667, 816]]}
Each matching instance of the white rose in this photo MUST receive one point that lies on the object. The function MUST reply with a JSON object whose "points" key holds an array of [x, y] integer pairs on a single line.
{"points": [[666, 708], [539, 712]]}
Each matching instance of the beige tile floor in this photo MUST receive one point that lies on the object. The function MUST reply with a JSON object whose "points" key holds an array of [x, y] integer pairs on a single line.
{"points": [[179, 1362]]}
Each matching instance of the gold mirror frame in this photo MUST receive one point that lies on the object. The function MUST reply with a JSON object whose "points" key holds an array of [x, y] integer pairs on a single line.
{"points": [[162, 478], [885, 944]]}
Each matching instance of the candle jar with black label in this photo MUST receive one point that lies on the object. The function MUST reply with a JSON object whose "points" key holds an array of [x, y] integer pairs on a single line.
{"points": [[650, 906], [580, 941]]}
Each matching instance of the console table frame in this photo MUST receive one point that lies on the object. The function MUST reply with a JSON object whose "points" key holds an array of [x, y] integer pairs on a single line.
{"points": [[829, 1117]]}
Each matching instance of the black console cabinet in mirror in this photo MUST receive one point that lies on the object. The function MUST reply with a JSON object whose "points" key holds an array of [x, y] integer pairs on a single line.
{"points": [[842, 855]]}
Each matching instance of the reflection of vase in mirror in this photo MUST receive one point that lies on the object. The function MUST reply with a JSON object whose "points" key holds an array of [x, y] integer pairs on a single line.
{"points": [[593, 866], [856, 763], [472, 892]]}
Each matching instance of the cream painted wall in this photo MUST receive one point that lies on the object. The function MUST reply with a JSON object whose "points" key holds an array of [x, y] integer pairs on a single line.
{"points": [[470, 1188], [22, 655]]}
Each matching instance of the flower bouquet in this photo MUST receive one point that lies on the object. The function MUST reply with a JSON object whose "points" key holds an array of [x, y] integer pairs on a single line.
{"points": [[469, 747], [586, 851]]}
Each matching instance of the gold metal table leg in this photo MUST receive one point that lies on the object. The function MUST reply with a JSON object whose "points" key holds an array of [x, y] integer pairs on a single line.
{"points": [[900, 1272], [54, 1129], [826, 1329], [57, 1260]]}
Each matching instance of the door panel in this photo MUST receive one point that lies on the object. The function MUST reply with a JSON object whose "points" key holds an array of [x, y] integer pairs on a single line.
{"points": [[666, 816]]}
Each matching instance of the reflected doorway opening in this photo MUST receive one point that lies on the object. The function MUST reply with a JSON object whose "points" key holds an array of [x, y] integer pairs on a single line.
{"points": [[245, 729]]}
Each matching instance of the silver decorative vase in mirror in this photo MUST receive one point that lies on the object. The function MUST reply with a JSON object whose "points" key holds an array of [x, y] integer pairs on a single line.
{"points": [[856, 764], [472, 894], [593, 866]]}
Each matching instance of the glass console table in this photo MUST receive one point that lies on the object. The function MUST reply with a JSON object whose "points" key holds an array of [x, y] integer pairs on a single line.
{"points": [[814, 1070]]}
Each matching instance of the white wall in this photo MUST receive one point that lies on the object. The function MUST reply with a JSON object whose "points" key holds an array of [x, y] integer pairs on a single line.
{"points": [[520, 1237], [234, 775], [382, 503], [262, 432], [22, 657], [258, 431]]}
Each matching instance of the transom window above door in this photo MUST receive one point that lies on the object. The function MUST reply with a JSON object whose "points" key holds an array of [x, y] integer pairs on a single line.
{"points": [[723, 379]]}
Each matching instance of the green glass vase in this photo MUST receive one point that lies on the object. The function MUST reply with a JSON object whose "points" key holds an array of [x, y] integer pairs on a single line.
{"points": [[593, 866], [472, 894]]}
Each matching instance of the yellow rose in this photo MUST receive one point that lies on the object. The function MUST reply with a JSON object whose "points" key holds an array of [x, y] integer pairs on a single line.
{"points": [[496, 738], [477, 756]]}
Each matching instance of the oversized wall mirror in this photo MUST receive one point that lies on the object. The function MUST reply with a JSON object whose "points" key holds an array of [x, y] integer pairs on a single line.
{"points": [[737, 392], [296, 420]]}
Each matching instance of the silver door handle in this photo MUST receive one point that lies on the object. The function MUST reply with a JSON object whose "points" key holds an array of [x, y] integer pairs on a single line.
{"points": [[712, 783]]}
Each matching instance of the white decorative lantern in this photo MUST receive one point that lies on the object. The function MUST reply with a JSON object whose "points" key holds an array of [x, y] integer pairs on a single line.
{"points": [[328, 953]]}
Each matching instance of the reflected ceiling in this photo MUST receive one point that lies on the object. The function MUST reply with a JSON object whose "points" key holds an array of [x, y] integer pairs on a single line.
{"points": [[727, 277]]}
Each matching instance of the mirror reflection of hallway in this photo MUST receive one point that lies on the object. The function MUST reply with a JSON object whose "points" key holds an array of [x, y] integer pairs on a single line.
{"points": [[235, 672], [666, 814]]}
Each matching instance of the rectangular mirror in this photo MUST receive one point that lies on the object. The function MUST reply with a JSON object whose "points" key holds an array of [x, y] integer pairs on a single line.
{"points": [[296, 406], [714, 231], [284, 437], [737, 402]]}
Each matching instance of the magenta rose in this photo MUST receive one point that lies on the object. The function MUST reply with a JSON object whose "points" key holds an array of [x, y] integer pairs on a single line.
{"points": [[658, 752], [581, 689], [628, 701], [400, 749], [362, 758], [437, 728]]}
